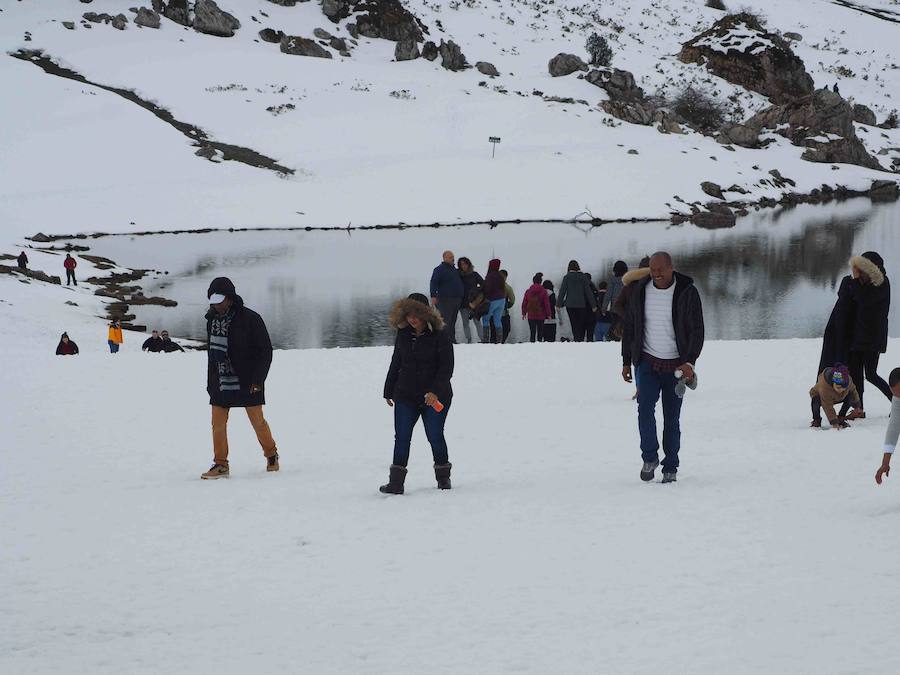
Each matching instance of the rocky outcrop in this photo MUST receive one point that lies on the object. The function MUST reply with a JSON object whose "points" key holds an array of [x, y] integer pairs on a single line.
{"points": [[340, 44], [619, 84], [565, 64], [430, 51], [863, 115], [822, 123], [271, 35], [738, 49], [300, 46], [322, 34], [452, 57], [147, 18], [388, 20], [119, 21], [209, 19], [177, 11], [486, 68], [406, 50], [712, 189], [631, 112]]}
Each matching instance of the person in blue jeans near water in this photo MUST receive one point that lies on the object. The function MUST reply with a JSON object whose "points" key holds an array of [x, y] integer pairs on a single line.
{"points": [[663, 334], [495, 294], [418, 385]]}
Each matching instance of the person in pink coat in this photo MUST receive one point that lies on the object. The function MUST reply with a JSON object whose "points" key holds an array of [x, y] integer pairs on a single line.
{"points": [[536, 307]]}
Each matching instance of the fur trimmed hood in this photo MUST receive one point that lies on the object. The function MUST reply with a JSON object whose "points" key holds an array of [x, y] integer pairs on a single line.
{"points": [[405, 307], [869, 268], [635, 275]]}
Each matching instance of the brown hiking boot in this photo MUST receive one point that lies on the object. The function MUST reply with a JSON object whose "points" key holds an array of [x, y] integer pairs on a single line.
{"points": [[272, 463], [215, 471]]}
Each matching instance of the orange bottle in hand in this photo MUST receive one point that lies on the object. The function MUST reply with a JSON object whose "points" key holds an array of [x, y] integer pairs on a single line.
{"points": [[437, 406]]}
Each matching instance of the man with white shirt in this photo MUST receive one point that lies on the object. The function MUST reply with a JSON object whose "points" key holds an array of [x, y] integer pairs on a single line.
{"points": [[892, 435], [662, 334]]}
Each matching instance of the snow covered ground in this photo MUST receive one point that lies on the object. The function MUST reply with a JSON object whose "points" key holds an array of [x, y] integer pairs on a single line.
{"points": [[77, 158], [773, 553]]}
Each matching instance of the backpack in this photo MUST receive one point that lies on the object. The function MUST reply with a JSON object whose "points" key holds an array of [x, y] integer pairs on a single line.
{"points": [[534, 306]]}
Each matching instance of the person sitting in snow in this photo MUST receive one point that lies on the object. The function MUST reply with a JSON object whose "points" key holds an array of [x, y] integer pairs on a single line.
{"points": [[152, 343], [833, 386], [892, 434], [167, 346], [66, 347]]}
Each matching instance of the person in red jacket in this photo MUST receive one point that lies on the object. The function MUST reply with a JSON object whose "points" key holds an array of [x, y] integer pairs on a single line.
{"points": [[536, 307], [66, 347], [70, 264]]}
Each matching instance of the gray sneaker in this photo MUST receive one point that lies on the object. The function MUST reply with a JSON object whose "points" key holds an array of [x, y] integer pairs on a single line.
{"points": [[669, 477], [648, 470]]}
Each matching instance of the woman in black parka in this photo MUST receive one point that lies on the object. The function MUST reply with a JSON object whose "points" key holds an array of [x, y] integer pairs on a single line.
{"points": [[418, 385]]}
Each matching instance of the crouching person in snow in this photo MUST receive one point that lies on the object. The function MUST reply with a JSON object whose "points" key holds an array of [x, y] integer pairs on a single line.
{"points": [[893, 431], [418, 385], [662, 333], [833, 386], [240, 353]]}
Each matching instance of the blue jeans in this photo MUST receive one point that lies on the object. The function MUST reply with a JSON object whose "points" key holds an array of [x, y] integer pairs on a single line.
{"points": [[405, 418], [113, 347], [651, 384], [495, 314], [600, 331]]}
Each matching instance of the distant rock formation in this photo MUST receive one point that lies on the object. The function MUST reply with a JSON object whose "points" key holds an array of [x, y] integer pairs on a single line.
{"points": [[209, 19], [301, 46], [565, 64], [738, 49]]}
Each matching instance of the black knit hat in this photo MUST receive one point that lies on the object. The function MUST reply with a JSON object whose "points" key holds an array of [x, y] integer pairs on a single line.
{"points": [[620, 268], [873, 257], [418, 297], [220, 286]]}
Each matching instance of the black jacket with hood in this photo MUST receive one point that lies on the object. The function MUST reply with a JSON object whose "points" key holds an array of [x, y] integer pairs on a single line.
{"points": [[687, 318], [420, 363], [250, 353]]}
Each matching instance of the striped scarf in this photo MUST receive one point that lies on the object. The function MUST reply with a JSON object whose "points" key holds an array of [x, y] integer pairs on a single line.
{"points": [[229, 385]]}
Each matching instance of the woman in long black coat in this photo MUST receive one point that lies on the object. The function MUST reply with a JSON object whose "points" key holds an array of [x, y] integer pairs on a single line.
{"points": [[869, 328], [418, 385]]}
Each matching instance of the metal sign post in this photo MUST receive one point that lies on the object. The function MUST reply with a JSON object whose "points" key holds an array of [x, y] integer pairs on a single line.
{"points": [[493, 140]]}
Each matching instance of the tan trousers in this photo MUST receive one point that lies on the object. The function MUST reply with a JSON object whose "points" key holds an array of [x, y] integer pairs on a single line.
{"points": [[220, 432]]}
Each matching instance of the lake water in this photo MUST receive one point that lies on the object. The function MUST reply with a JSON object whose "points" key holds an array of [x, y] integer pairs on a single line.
{"points": [[774, 275]]}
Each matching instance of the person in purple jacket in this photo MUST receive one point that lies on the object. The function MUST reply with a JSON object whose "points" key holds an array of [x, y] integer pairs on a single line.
{"points": [[536, 307]]}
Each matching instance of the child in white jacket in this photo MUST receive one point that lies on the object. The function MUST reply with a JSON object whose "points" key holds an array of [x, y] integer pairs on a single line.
{"points": [[893, 430]]}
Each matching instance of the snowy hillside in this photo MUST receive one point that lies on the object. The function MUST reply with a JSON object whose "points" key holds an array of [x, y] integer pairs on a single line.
{"points": [[371, 140], [773, 553]]}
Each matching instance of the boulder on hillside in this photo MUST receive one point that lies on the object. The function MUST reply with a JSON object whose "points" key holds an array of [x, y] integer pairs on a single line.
{"points": [[738, 49], [740, 135], [388, 20], [632, 112], [286, 3], [147, 18], [452, 57], [340, 44], [406, 50], [822, 123], [430, 51], [322, 34], [119, 21], [793, 37], [271, 35], [301, 46], [863, 115], [211, 20], [486, 68], [565, 64], [177, 11], [619, 84], [712, 189], [336, 10]]}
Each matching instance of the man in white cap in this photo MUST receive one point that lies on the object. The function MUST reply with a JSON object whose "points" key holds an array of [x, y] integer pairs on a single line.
{"points": [[240, 353]]}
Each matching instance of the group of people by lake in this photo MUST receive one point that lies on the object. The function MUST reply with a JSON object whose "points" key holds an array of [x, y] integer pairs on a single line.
{"points": [[595, 311]]}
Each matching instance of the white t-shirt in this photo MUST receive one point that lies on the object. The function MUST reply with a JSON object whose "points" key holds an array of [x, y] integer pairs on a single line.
{"points": [[659, 330]]}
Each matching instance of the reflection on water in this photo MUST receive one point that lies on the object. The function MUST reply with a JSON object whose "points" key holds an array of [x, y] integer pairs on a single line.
{"points": [[774, 275]]}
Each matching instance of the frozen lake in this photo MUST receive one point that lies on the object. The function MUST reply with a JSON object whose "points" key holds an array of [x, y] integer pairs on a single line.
{"points": [[774, 275]]}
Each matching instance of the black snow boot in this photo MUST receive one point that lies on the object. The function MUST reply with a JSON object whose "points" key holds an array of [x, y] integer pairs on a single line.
{"points": [[395, 480], [442, 474]]}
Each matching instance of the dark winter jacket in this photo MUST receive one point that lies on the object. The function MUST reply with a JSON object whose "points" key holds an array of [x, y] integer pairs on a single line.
{"points": [[473, 285], [870, 319], [152, 344], [250, 353], [22, 260], [446, 282], [66, 348], [838, 330], [687, 318], [575, 292], [420, 363], [168, 347], [494, 285]]}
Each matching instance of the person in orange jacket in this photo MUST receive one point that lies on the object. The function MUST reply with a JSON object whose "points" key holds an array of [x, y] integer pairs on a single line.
{"points": [[115, 338]]}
